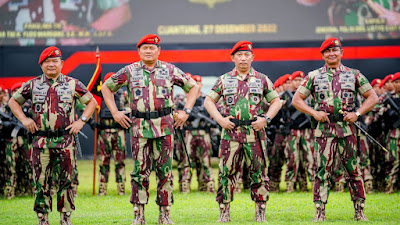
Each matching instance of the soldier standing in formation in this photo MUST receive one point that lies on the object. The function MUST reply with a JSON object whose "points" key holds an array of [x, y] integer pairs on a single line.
{"points": [[54, 130], [112, 138], [334, 88], [151, 94], [243, 121]]}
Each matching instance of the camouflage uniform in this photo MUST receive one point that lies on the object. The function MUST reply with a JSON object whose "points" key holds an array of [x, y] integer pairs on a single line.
{"points": [[53, 109], [334, 91], [3, 167], [152, 138], [112, 139], [243, 99]]}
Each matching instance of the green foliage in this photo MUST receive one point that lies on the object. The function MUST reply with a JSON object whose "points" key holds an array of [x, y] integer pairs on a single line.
{"points": [[198, 207]]}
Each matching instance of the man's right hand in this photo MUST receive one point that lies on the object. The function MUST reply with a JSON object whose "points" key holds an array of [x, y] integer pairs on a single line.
{"points": [[321, 116], [30, 125], [226, 123], [122, 119]]}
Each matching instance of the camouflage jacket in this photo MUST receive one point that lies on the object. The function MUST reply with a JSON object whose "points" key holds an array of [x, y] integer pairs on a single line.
{"points": [[242, 98], [53, 106], [123, 102], [334, 91], [393, 132], [151, 90]]}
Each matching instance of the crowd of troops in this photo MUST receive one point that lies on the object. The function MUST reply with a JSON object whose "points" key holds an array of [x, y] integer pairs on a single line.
{"points": [[246, 121]]}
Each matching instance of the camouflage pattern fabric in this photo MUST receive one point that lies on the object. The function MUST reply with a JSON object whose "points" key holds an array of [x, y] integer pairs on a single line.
{"points": [[112, 142], [148, 154], [242, 97], [392, 158], [276, 157], [299, 152], [53, 108]]}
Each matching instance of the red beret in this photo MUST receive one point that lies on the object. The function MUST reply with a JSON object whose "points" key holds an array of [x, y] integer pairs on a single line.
{"points": [[108, 75], [285, 78], [297, 74], [16, 86], [388, 77], [329, 43], [149, 39], [49, 52], [197, 78], [396, 76], [242, 46], [278, 82], [375, 82]]}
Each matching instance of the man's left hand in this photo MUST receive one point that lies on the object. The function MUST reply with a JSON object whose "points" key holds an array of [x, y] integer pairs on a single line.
{"points": [[75, 127], [180, 119], [350, 117], [259, 124]]}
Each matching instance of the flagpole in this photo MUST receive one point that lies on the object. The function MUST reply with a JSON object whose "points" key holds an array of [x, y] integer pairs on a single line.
{"points": [[95, 130]]}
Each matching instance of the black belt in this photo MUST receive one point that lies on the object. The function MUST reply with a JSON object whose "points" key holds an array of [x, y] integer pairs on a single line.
{"points": [[51, 133], [153, 114], [242, 122], [116, 126], [336, 118]]}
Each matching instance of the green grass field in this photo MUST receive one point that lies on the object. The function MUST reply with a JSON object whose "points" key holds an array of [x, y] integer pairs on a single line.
{"points": [[198, 207]]}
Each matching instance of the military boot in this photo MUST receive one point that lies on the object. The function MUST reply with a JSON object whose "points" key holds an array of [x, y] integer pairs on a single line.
{"points": [[65, 218], [224, 215], [102, 189], [202, 186], [75, 189], [121, 188], [185, 187], [303, 186], [389, 188], [138, 211], [273, 186], [359, 211], [339, 187], [10, 192], [164, 218], [369, 188], [260, 212], [210, 187], [289, 187], [43, 219], [320, 212]]}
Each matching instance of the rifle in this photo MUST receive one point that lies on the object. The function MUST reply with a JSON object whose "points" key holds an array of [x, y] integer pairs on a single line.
{"points": [[9, 121], [396, 109]]}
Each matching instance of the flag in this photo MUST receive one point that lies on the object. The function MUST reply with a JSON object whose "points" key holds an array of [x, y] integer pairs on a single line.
{"points": [[96, 82]]}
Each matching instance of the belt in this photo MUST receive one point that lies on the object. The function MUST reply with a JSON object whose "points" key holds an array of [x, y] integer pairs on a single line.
{"points": [[153, 114], [336, 118], [51, 133], [116, 126], [242, 122]]}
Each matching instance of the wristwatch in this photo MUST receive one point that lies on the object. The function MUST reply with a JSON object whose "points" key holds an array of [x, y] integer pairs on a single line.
{"points": [[84, 119], [268, 119], [187, 110], [358, 114]]}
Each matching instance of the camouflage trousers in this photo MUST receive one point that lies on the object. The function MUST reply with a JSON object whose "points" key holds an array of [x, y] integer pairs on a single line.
{"points": [[109, 142], [362, 159], [19, 163], [231, 157], [299, 153], [48, 163], [276, 158], [327, 149], [392, 158], [148, 153], [199, 149]]}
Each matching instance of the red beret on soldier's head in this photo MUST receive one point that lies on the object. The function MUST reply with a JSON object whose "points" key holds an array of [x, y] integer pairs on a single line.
{"points": [[16, 86], [330, 43], [388, 77], [376, 81], [197, 78], [278, 82], [285, 78], [242, 46], [396, 76], [297, 74], [108, 75], [49, 52], [149, 39]]}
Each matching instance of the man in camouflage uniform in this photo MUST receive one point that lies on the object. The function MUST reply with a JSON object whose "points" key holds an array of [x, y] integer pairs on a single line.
{"points": [[112, 138], [334, 88], [198, 144], [392, 157], [243, 121], [18, 157], [54, 129], [3, 141], [299, 150], [150, 88]]}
